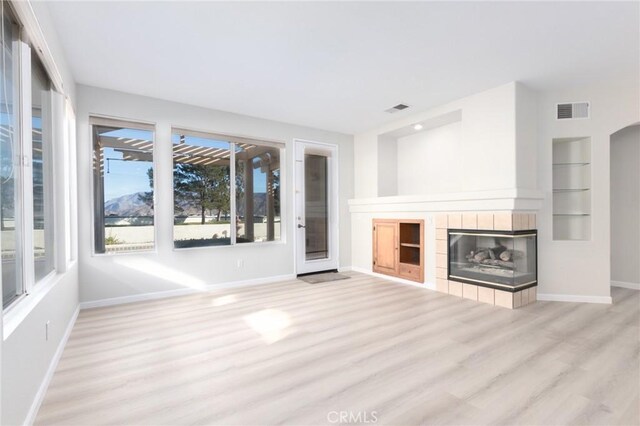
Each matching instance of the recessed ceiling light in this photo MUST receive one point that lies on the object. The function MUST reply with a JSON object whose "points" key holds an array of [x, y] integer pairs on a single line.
{"points": [[417, 127]]}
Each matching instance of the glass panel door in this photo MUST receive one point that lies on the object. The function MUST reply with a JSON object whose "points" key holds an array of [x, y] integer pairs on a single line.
{"points": [[316, 207]]}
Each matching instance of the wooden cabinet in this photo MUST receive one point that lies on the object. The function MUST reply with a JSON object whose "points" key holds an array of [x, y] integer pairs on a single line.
{"points": [[398, 248], [385, 247]]}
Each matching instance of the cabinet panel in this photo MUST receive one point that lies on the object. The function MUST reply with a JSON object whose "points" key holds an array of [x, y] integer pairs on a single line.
{"points": [[385, 240], [410, 272]]}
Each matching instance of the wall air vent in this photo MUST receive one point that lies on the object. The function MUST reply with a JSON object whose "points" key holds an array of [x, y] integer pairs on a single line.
{"points": [[573, 110], [396, 108]]}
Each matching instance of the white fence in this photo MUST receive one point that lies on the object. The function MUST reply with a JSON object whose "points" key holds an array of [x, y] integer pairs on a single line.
{"points": [[144, 234]]}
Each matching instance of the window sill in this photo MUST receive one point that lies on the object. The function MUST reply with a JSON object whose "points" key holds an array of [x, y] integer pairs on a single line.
{"points": [[24, 305], [125, 253], [253, 244]]}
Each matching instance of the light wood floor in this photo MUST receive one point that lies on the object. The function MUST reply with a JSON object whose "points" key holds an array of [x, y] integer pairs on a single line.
{"points": [[296, 353]]}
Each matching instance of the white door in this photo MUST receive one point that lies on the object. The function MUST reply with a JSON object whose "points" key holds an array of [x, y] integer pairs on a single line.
{"points": [[316, 215]]}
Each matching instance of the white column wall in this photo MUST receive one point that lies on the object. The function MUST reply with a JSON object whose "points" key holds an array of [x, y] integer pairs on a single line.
{"points": [[582, 268]]}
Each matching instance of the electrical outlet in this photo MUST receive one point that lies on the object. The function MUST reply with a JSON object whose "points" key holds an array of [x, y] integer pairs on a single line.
{"points": [[46, 330]]}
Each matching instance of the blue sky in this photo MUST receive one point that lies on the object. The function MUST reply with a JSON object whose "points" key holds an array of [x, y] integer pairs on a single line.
{"points": [[125, 177], [128, 177]]}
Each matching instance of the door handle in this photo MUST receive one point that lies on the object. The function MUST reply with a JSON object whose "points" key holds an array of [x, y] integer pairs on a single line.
{"points": [[301, 226]]}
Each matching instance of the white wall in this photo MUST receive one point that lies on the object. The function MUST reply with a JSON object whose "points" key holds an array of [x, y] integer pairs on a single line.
{"points": [[26, 355], [428, 161], [120, 275], [526, 137], [488, 133], [625, 206], [387, 161], [582, 268]]}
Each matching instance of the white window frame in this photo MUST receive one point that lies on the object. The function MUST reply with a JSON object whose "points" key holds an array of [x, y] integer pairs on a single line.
{"points": [[71, 219], [31, 39], [233, 140], [101, 120]]}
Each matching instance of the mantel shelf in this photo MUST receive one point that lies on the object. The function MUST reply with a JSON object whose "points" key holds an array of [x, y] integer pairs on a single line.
{"points": [[560, 190], [570, 164]]}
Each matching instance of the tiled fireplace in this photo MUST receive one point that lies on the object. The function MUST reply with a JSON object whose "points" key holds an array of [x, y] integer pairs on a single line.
{"points": [[487, 256]]}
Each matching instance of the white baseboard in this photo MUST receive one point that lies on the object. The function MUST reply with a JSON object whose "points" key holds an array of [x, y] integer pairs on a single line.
{"points": [[623, 284], [42, 390], [427, 285], [345, 269], [182, 291], [574, 298]]}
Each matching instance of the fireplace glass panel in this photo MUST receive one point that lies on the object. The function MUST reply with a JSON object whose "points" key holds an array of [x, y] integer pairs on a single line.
{"points": [[494, 258]]}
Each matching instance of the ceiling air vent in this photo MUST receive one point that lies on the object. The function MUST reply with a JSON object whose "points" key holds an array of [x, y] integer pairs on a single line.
{"points": [[396, 108], [572, 110]]}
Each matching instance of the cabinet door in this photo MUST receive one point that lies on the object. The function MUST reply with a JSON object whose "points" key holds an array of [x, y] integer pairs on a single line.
{"points": [[385, 247]]}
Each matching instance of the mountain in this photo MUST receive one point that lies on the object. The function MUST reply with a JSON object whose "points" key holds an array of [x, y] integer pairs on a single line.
{"points": [[128, 205]]}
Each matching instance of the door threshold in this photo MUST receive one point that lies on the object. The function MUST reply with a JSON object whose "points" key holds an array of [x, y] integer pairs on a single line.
{"points": [[326, 271]]}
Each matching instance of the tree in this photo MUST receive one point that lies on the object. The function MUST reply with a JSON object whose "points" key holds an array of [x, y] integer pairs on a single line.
{"points": [[147, 197], [204, 186]]}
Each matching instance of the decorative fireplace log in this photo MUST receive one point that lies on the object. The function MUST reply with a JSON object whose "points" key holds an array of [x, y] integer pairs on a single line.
{"points": [[511, 255], [480, 256], [496, 251], [482, 260], [502, 263]]}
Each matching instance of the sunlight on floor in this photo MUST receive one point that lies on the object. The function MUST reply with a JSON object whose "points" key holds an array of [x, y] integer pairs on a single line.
{"points": [[271, 324], [224, 300]]}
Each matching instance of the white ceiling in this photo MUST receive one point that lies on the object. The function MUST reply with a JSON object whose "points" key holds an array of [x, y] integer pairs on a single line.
{"points": [[338, 65]]}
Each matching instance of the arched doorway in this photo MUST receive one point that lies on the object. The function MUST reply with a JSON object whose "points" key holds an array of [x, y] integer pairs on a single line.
{"points": [[625, 207]]}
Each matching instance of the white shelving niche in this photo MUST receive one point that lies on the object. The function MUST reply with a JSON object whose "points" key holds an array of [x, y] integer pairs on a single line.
{"points": [[572, 189]]}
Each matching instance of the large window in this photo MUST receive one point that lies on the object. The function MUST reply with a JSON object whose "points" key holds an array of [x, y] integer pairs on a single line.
{"points": [[26, 163], [123, 186], [208, 209], [257, 193], [10, 153]]}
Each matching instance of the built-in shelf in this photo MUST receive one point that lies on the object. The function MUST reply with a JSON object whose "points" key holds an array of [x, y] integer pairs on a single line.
{"points": [[571, 188], [398, 248], [410, 245]]}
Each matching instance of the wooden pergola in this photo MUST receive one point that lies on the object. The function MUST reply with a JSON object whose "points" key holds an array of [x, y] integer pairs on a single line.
{"points": [[133, 149]]}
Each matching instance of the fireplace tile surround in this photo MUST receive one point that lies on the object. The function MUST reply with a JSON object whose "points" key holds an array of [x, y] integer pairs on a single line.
{"points": [[490, 221]]}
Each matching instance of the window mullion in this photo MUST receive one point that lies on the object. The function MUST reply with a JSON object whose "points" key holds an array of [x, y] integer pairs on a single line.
{"points": [[232, 186], [59, 179], [26, 187]]}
